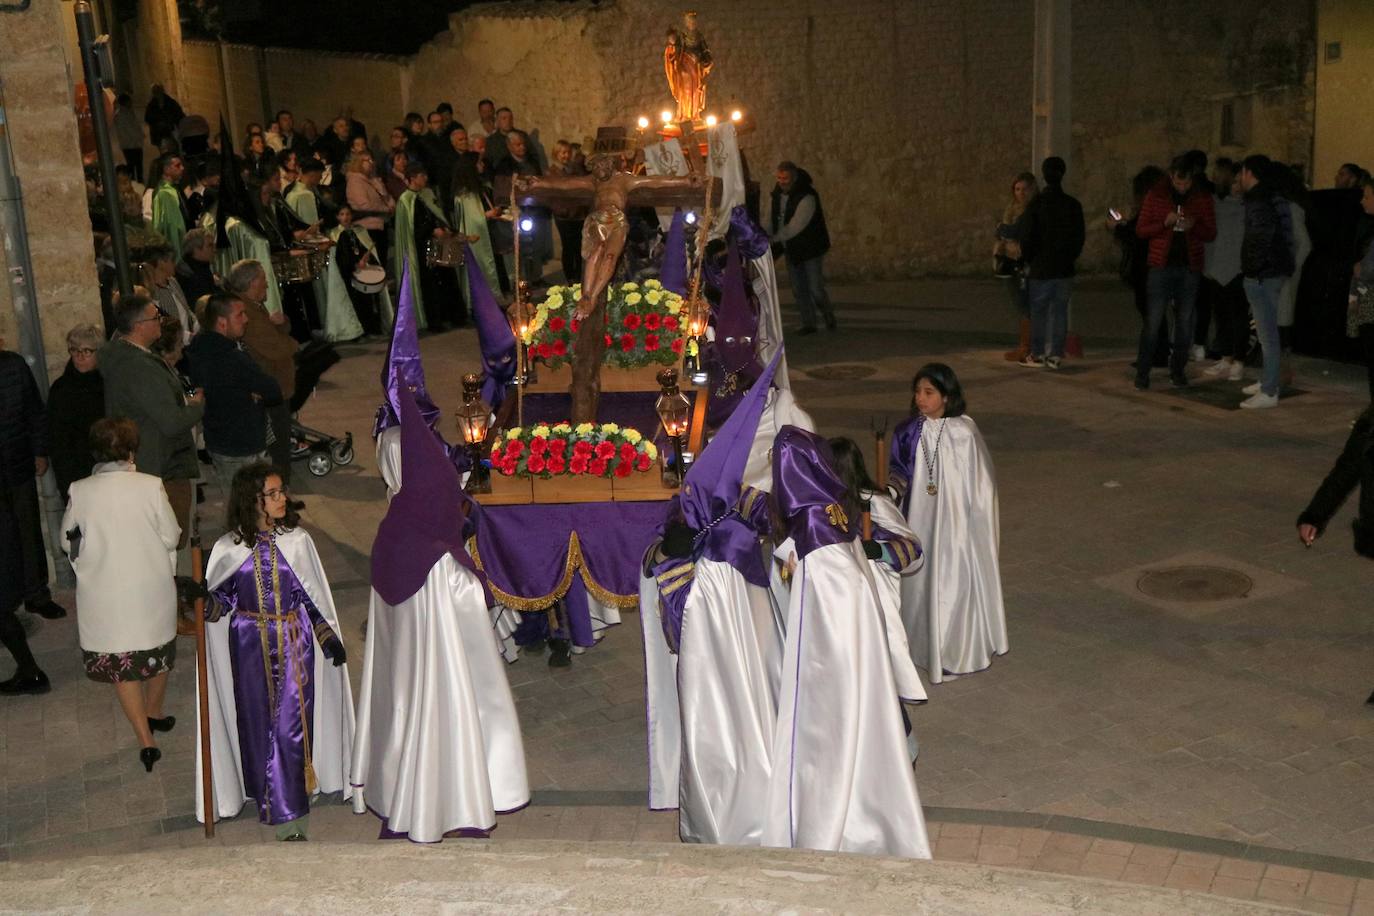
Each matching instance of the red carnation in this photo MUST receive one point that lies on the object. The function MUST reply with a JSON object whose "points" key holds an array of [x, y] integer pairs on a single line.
{"points": [[627, 452], [556, 464], [558, 446], [669, 323], [539, 446], [608, 340], [605, 450], [652, 321], [632, 321], [509, 467], [578, 464], [643, 463], [651, 342], [496, 454], [623, 469], [543, 351], [514, 449], [556, 323], [560, 347], [627, 342], [598, 467], [574, 325], [677, 345], [536, 464], [582, 447]]}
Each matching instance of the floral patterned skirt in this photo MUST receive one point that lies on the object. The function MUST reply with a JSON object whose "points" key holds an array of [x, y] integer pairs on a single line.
{"points": [[141, 665]]}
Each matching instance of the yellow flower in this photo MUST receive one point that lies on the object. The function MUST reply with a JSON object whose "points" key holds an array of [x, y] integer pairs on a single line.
{"points": [[577, 294], [651, 450], [609, 429], [495, 447], [692, 347], [654, 297], [562, 429], [555, 291], [674, 307], [541, 431], [633, 299], [584, 428], [528, 337], [629, 287], [632, 436], [554, 302], [513, 433], [653, 284]]}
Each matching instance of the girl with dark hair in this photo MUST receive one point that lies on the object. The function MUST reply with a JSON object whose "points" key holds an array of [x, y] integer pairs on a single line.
{"points": [[893, 551], [953, 611], [1007, 262], [281, 722], [472, 208]]}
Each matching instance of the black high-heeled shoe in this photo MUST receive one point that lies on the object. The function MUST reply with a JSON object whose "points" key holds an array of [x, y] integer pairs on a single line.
{"points": [[162, 725], [149, 756]]}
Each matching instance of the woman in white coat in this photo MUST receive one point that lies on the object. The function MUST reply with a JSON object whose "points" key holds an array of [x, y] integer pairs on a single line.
{"points": [[121, 535], [953, 610]]}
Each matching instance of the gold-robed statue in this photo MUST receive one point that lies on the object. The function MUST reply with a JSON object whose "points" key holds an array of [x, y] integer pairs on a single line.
{"points": [[687, 61]]}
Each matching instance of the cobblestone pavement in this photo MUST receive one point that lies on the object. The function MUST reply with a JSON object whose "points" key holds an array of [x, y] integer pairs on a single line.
{"points": [[1240, 721]]}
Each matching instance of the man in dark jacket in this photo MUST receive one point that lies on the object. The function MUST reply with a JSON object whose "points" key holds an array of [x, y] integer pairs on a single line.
{"points": [[1354, 466], [798, 226], [1051, 234], [140, 386], [28, 678], [1266, 262], [75, 401], [23, 459], [237, 390], [162, 116], [1177, 218]]}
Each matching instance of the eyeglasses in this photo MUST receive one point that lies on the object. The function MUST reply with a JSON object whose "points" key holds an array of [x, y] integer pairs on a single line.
{"points": [[157, 317], [274, 493], [81, 351]]}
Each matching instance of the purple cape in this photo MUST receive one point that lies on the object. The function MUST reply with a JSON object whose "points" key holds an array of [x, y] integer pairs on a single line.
{"points": [[425, 520], [812, 500], [673, 273]]}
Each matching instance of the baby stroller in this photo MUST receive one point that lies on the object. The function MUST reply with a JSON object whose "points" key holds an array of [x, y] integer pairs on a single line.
{"points": [[320, 450]]}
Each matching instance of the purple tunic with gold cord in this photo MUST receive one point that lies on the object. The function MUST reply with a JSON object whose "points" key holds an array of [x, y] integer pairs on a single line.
{"points": [[272, 650]]}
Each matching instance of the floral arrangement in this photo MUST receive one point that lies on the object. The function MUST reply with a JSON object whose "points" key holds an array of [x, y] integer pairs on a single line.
{"points": [[643, 325], [585, 450]]}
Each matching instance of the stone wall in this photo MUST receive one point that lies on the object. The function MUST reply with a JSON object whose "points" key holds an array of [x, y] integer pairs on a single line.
{"points": [[1345, 86], [37, 80], [911, 117]]}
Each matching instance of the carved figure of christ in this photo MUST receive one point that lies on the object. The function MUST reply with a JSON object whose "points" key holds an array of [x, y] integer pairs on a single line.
{"points": [[603, 242]]}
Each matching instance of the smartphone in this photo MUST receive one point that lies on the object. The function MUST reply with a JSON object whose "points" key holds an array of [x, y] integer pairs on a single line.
{"points": [[1113, 213]]}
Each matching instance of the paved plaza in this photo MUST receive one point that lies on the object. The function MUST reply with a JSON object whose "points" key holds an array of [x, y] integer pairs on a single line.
{"points": [[1232, 729]]}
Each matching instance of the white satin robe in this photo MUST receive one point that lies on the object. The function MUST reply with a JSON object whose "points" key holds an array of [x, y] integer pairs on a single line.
{"points": [[438, 744], [331, 730], [888, 582], [842, 775], [712, 706], [953, 611]]}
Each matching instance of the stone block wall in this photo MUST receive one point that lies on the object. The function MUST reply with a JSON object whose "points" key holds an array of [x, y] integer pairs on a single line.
{"points": [[37, 82], [1345, 87]]}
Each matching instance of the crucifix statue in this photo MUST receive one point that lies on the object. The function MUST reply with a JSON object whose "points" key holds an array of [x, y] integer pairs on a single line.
{"points": [[604, 234]]}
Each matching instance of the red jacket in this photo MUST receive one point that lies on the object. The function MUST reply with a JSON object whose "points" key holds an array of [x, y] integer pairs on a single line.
{"points": [[1159, 203]]}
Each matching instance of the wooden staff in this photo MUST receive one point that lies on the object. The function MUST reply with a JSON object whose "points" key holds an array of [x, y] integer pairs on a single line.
{"points": [[694, 301], [207, 782], [879, 437]]}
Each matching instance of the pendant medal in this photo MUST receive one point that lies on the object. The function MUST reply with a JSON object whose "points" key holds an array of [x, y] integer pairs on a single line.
{"points": [[931, 489]]}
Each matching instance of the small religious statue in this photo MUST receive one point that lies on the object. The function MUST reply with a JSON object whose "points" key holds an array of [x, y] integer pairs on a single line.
{"points": [[604, 233], [687, 61]]}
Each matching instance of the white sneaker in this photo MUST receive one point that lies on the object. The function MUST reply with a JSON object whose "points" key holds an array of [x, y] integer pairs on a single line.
{"points": [[1217, 369], [1197, 354], [1251, 389], [1260, 401], [1237, 371]]}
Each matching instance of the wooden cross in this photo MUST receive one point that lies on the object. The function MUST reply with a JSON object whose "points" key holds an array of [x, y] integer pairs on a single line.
{"points": [[610, 193]]}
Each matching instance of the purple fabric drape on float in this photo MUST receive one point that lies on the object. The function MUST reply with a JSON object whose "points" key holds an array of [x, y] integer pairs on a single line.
{"points": [[673, 273]]}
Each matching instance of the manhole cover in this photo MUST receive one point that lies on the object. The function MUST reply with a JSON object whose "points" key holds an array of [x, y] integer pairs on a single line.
{"points": [[844, 372], [1194, 583]]}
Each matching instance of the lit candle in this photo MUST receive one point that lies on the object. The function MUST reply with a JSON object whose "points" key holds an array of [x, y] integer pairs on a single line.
{"points": [[736, 115], [643, 122], [710, 120], [666, 116]]}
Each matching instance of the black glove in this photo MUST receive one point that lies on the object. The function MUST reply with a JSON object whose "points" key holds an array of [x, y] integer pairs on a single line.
{"points": [[678, 540], [189, 590], [873, 550], [334, 651]]}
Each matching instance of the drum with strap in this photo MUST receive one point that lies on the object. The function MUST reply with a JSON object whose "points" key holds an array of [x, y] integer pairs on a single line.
{"points": [[369, 279], [445, 252]]}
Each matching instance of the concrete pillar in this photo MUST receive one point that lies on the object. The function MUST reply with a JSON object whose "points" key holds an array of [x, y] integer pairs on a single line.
{"points": [[41, 129], [159, 32], [1051, 115]]}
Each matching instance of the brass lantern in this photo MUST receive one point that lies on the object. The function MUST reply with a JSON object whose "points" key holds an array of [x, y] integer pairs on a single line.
{"points": [[674, 412], [475, 415]]}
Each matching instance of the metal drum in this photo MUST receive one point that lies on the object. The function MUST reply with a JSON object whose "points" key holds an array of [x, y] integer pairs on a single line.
{"points": [[445, 252], [319, 261], [294, 266], [369, 279]]}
